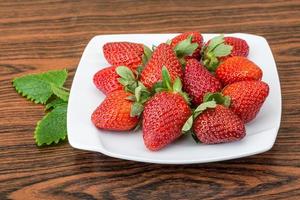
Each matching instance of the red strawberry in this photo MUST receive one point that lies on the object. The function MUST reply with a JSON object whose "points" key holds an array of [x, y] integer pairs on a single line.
{"points": [[165, 114], [247, 97], [163, 55], [218, 125], [220, 48], [114, 113], [124, 53], [197, 80], [163, 117], [239, 47], [106, 80], [236, 69], [196, 38]]}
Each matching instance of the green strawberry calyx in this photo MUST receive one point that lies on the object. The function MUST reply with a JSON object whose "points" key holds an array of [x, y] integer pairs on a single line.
{"points": [[147, 55], [127, 78], [210, 100], [145, 58], [215, 49], [140, 93], [167, 85], [185, 48]]}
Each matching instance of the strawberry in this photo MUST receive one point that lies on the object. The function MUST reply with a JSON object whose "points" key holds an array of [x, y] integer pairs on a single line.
{"points": [[163, 55], [247, 97], [114, 112], [106, 80], [121, 109], [126, 53], [236, 69], [239, 47], [218, 125], [165, 114], [197, 80], [213, 122], [196, 38], [220, 48]]}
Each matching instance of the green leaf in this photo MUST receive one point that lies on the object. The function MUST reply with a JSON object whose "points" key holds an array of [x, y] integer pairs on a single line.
{"points": [[157, 87], [123, 81], [177, 85], [142, 86], [215, 49], [166, 78], [37, 87], [227, 101], [145, 96], [131, 98], [141, 93], [185, 47], [218, 97], [136, 109], [188, 124], [214, 42], [213, 64], [130, 88], [53, 127], [202, 107], [182, 62], [139, 70], [125, 73], [137, 93], [222, 50], [147, 55], [55, 103], [127, 79], [168, 41], [59, 92]]}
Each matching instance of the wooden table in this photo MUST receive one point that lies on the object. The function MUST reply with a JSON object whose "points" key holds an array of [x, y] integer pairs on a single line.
{"points": [[36, 36]]}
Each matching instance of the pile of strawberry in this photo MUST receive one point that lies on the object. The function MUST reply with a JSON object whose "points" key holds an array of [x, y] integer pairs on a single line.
{"points": [[209, 90]]}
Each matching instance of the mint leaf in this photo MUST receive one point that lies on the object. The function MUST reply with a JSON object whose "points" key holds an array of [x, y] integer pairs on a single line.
{"points": [[37, 87], [53, 127], [59, 92], [55, 103]]}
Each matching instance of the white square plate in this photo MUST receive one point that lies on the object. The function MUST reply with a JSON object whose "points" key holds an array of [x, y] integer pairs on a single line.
{"points": [[84, 98]]}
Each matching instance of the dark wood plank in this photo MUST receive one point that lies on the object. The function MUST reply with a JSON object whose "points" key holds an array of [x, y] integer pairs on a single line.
{"points": [[37, 36]]}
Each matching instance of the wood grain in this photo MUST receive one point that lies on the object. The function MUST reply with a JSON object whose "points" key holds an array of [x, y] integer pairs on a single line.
{"points": [[37, 36]]}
